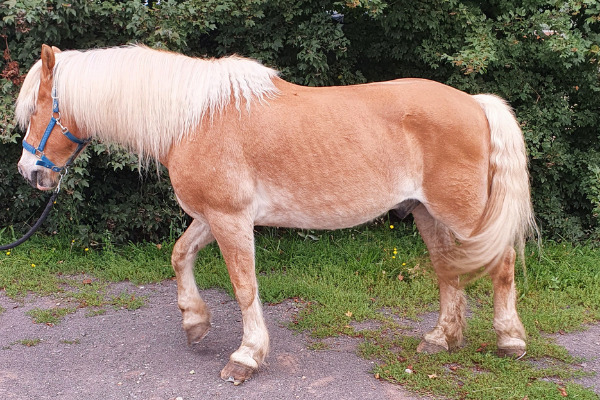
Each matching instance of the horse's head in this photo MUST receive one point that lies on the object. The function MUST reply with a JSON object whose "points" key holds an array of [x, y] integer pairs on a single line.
{"points": [[52, 139]]}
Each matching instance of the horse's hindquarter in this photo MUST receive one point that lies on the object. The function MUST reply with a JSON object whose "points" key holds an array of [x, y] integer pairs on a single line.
{"points": [[327, 157]]}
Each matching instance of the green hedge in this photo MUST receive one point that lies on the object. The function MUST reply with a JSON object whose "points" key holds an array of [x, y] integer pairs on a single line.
{"points": [[543, 56]]}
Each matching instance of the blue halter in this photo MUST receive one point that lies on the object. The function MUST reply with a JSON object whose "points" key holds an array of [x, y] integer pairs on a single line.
{"points": [[39, 151]]}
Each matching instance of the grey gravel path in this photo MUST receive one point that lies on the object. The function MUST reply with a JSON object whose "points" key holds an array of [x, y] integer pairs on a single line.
{"points": [[143, 354]]}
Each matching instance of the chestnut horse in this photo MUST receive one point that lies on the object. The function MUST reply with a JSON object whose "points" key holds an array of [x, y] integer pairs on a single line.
{"points": [[244, 147]]}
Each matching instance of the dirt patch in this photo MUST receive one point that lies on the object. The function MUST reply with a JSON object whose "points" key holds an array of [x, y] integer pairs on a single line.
{"points": [[585, 345]]}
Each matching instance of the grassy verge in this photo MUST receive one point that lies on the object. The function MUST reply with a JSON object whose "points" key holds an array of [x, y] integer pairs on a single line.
{"points": [[373, 273]]}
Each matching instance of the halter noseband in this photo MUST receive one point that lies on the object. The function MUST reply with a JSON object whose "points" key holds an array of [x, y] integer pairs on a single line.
{"points": [[39, 151]]}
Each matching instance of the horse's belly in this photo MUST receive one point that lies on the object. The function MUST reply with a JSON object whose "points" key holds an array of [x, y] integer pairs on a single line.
{"points": [[315, 220], [324, 209]]}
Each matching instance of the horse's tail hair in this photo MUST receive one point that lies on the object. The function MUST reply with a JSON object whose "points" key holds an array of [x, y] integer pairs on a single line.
{"points": [[507, 219]]}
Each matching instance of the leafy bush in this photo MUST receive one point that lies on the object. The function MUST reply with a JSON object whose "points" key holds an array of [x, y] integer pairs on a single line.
{"points": [[543, 56]]}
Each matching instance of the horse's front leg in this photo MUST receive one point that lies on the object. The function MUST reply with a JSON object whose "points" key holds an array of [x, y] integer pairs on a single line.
{"points": [[196, 317], [235, 236]]}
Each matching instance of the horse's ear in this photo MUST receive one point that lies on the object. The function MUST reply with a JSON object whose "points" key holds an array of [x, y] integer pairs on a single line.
{"points": [[56, 49], [47, 61]]}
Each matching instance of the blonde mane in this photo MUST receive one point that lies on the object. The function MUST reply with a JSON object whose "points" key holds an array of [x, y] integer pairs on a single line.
{"points": [[146, 99]]}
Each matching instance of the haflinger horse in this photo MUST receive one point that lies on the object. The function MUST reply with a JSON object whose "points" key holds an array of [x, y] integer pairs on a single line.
{"points": [[244, 147]]}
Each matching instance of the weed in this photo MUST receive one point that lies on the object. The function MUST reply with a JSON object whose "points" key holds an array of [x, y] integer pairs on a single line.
{"points": [[66, 341], [318, 345], [50, 316], [95, 313], [28, 342], [87, 293], [127, 301]]}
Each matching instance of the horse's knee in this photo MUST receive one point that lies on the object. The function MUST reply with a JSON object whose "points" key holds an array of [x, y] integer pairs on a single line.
{"points": [[178, 258], [245, 295], [186, 248]]}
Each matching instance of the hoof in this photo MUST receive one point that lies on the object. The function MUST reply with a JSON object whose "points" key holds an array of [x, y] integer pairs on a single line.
{"points": [[236, 373], [196, 333], [516, 353], [430, 348]]}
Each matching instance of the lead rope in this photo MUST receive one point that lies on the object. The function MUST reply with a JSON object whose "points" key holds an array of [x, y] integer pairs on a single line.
{"points": [[40, 221]]}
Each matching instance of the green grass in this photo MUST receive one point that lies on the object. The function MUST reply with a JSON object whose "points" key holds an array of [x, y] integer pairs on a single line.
{"points": [[95, 313], [50, 316], [67, 341], [127, 301], [28, 342], [318, 345], [345, 277]]}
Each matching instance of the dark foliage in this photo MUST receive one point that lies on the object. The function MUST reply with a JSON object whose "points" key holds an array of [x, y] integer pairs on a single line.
{"points": [[542, 56]]}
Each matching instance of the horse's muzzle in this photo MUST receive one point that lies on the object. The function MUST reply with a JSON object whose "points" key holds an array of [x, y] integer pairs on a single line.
{"points": [[37, 179], [31, 178]]}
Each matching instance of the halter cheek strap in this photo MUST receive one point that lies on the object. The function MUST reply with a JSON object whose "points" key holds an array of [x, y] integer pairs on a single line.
{"points": [[39, 151]]}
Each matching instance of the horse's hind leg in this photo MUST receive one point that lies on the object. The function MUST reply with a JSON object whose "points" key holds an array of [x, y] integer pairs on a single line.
{"points": [[235, 235], [196, 317], [448, 332], [509, 329]]}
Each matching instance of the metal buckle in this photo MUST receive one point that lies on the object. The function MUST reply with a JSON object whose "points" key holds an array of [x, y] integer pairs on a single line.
{"points": [[56, 116], [61, 175], [63, 128]]}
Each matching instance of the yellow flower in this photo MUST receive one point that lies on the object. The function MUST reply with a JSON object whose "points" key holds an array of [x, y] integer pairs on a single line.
{"points": [[395, 252], [393, 256], [73, 241], [32, 265], [391, 226], [403, 264], [86, 249], [8, 253]]}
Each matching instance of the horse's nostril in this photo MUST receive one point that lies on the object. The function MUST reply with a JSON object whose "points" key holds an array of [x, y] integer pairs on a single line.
{"points": [[33, 178]]}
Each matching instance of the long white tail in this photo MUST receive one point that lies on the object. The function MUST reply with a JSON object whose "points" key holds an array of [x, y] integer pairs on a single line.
{"points": [[508, 215]]}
